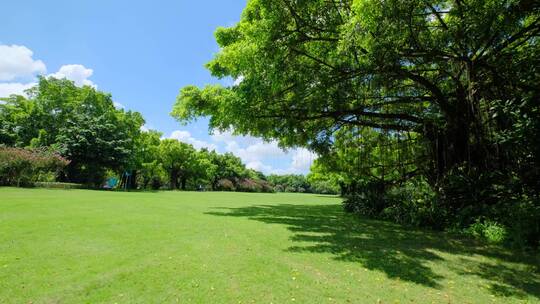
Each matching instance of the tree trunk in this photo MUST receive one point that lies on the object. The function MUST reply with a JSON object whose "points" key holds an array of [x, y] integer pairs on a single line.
{"points": [[146, 181], [183, 181], [214, 184], [174, 179], [452, 144], [133, 180]]}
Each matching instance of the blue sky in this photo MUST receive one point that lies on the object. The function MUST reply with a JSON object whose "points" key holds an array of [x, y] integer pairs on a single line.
{"points": [[142, 52]]}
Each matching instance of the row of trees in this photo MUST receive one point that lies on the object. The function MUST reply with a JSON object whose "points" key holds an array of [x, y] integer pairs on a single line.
{"points": [[98, 141], [81, 124], [312, 183], [425, 112], [179, 165], [76, 135]]}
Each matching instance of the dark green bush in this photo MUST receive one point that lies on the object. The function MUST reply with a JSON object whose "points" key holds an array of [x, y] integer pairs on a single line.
{"points": [[491, 206], [324, 187], [520, 215], [156, 183], [525, 223], [412, 203], [492, 231], [55, 185], [495, 206]]}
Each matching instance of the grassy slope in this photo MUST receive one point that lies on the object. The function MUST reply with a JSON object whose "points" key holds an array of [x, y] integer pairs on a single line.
{"points": [[76, 246]]}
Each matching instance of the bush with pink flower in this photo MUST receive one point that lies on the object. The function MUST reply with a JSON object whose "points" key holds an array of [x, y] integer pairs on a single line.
{"points": [[23, 167]]}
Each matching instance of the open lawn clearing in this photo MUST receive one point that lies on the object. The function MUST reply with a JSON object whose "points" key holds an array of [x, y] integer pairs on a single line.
{"points": [[77, 246]]}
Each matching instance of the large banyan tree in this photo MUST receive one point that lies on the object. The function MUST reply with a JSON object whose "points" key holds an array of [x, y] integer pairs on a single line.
{"points": [[462, 75]]}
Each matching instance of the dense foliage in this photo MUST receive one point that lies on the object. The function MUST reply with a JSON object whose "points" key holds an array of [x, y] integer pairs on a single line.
{"points": [[395, 96], [75, 135], [22, 167], [82, 124], [313, 183], [290, 183]]}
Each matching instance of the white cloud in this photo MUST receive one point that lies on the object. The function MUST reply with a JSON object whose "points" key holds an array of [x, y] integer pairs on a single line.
{"points": [[227, 137], [6, 89], [264, 149], [250, 149], [77, 73], [18, 71], [259, 166], [302, 160], [118, 105], [257, 154], [281, 171], [74, 72], [185, 136], [222, 136], [144, 128], [16, 62], [238, 81], [241, 140]]}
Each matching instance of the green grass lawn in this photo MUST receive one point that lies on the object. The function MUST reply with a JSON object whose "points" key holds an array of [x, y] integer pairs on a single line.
{"points": [[75, 246]]}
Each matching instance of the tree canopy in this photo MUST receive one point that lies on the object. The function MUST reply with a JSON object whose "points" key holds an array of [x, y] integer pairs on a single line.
{"points": [[305, 69], [392, 95], [81, 122]]}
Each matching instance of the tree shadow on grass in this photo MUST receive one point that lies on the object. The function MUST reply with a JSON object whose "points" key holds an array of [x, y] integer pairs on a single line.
{"points": [[504, 281], [398, 251]]}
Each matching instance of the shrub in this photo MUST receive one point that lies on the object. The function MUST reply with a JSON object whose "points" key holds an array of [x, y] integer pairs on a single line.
{"points": [[253, 185], [491, 206], [248, 185], [413, 203], [368, 201], [46, 177], [53, 185], [23, 167], [324, 187], [289, 183], [279, 188], [266, 186], [475, 199], [289, 189], [492, 231], [156, 182], [225, 185], [520, 215], [524, 226]]}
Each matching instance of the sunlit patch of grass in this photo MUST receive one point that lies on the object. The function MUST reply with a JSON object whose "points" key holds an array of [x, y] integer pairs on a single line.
{"points": [[73, 246]]}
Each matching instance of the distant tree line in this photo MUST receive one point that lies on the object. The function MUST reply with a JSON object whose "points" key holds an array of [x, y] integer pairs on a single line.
{"points": [[64, 133]]}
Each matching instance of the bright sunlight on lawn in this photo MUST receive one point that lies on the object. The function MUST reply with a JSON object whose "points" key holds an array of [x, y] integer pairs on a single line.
{"points": [[59, 246]]}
